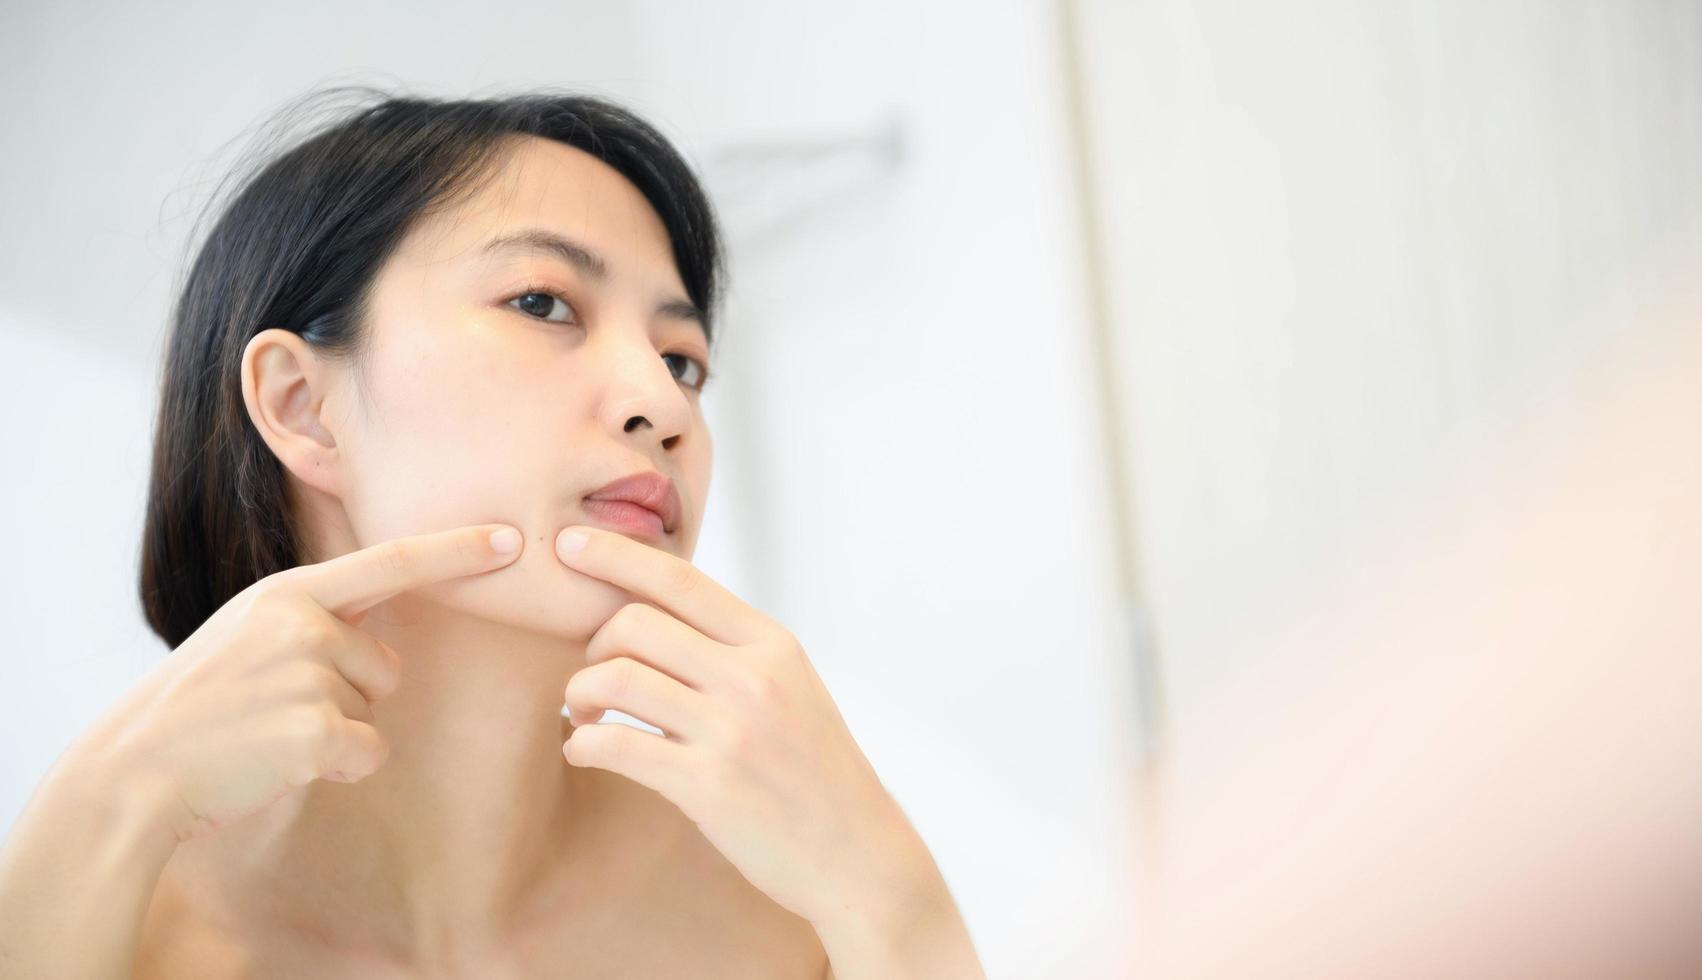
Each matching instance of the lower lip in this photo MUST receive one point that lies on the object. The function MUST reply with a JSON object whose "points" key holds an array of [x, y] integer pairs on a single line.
{"points": [[623, 516]]}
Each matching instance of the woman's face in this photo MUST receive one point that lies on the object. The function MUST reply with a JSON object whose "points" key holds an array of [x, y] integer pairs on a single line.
{"points": [[486, 399]]}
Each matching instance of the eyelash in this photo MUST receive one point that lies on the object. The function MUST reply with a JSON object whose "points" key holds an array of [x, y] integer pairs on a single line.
{"points": [[542, 290]]}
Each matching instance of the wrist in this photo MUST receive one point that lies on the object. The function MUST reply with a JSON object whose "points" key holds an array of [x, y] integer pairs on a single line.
{"points": [[913, 936], [895, 917], [129, 804]]}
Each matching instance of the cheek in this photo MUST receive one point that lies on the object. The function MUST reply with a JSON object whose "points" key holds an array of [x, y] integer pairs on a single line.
{"points": [[454, 442], [536, 591], [457, 432], [436, 452]]}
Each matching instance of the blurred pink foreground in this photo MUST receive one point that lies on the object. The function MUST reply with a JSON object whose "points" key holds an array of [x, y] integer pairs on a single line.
{"points": [[1492, 766]]}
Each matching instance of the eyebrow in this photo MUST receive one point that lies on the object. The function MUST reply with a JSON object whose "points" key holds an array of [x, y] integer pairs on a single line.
{"points": [[588, 262]]}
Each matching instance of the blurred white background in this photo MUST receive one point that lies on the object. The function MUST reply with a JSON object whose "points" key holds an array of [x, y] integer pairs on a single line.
{"points": [[1168, 300]]}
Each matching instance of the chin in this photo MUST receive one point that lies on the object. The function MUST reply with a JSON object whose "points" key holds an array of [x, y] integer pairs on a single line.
{"points": [[536, 593]]}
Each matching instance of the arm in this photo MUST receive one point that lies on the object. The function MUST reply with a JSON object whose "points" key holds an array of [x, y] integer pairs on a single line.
{"points": [[931, 945], [902, 923], [78, 870]]}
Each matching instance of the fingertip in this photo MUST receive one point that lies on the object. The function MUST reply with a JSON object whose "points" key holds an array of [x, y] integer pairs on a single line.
{"points": [[506, 540], [571, 539]]}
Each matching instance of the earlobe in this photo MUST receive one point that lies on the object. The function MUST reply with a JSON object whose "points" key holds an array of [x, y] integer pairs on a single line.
{"points": [[284, 384]]}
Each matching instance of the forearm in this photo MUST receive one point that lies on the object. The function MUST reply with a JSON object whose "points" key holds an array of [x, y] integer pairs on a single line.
{"points": [[77, 872], [902, 923], [936, 945]]}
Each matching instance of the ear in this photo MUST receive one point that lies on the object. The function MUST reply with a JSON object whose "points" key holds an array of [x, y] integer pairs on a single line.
{"points": [[284, 386]]}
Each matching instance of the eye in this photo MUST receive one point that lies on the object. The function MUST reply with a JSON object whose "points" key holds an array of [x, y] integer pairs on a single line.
{"points": [[540, 303], [702, 370]]}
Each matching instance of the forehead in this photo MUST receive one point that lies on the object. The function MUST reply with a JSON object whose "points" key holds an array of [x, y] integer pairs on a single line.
{"points": [[540, 183]]}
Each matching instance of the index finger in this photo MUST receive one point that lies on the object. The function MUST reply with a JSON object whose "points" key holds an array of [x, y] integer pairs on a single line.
{"points": [[668, 581], [350, 584]]}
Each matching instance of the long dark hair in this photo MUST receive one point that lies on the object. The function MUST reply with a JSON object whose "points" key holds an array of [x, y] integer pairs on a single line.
{"points": [[297, 247]]}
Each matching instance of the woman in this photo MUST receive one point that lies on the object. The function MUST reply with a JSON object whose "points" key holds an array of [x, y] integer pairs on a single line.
{"points": [[410, 355]]}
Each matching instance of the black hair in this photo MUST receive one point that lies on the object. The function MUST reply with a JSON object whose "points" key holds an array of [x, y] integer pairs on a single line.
{"points": [[298, 247]]}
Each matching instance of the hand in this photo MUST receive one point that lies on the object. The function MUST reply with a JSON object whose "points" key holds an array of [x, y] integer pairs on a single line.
{"points": [[275, 689], [754, 751]]}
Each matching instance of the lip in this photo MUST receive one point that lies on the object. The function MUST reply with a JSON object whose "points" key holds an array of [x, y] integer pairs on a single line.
{"points": [[644, 503]]}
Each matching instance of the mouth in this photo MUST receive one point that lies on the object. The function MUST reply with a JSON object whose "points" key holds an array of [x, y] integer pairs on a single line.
{"points": [[644, 504], [627, 518]]}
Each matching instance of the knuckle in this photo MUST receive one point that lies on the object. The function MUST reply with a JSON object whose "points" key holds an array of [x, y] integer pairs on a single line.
{"points": [[327, 682], [781, 645], [615, 634], [302, 772], [604, 643], [622, 678], [267, 597], [273, 585], [618, 625], [281, 581], [759, 687], [577, 748], [391, 678], [614, 747], [309, 632], [323, 721]]}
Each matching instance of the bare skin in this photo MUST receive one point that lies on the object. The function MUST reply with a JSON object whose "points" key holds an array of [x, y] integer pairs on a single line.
{"points": [[675, 909], [475, 849]]}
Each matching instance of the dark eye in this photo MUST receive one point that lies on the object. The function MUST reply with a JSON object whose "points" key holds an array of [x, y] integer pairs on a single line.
{"points": [[541, 304], [702, 370]]}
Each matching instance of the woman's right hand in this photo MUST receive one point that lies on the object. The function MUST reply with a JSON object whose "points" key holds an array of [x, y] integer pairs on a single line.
{"points": [[275, 689]]}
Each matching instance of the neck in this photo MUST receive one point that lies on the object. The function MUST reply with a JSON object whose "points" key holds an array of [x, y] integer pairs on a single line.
{"points": [[475, 825]]}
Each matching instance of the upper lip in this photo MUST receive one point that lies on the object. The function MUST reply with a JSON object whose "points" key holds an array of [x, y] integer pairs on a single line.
{"points": [[646, 488]]}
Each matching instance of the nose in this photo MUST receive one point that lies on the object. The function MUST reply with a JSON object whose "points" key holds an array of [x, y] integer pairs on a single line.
{"points": [[643, 398]]}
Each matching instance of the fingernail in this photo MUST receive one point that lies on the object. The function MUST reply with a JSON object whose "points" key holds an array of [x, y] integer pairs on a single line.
{"points": [[567, 542], [505, 541]]}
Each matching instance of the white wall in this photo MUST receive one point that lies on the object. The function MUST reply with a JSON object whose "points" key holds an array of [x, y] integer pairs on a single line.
{"points": [[923, 336], [920, 333], [1342, 237], [76, 449]]}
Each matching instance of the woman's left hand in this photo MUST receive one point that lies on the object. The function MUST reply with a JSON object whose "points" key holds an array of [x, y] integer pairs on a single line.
{"points": [[755, 752]]}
